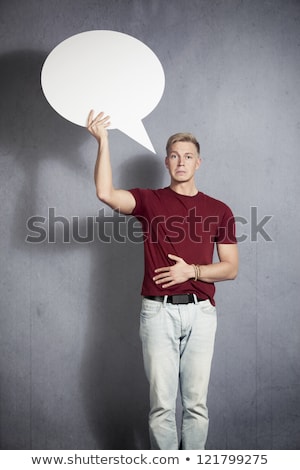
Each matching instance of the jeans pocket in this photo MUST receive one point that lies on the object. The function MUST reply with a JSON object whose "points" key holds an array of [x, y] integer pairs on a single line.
{"points": [[207, 308], [150, 308]]}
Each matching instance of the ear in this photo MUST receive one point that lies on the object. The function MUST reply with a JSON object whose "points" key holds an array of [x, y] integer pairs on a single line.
{"points": [[199, 161], [167, 162]]}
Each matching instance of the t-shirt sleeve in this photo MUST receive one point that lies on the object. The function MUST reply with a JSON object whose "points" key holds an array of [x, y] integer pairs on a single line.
{"points": [[226, 232], [140, 197]]}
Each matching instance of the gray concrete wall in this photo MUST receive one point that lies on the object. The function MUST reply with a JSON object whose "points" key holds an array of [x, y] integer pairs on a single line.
{"points": [[70, 356]]}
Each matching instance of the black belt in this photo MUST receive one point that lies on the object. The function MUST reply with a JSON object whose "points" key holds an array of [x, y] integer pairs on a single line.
{"points": [[175, 299]]}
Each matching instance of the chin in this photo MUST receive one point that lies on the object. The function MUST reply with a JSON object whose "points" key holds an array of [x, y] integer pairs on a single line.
{"points": [[181, 179]]}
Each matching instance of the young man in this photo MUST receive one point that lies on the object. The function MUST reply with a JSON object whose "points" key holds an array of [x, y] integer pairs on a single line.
{"points": [[178, 318]]}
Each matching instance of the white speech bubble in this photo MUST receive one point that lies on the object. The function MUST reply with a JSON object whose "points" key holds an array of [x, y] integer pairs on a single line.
{"points": [[105, 71]]}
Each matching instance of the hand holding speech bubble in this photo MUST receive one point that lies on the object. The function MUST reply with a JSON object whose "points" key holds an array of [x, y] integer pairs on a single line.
{"points": [[105, 71]]}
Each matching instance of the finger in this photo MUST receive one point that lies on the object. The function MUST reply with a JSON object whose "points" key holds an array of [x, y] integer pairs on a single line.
{"points": [[160, 270], [172, 283], [101, 117], [174, 258], [90, 117], [161, 279], [106, 121], [162, 275], [164, 280], [97, 119], [101, 121]]}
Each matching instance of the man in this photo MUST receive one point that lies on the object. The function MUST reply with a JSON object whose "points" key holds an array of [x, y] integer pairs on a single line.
{"points": [[178, 318]]}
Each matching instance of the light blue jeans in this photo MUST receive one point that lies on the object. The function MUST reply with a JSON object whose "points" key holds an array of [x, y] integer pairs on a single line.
{"points": [[178, 345]]}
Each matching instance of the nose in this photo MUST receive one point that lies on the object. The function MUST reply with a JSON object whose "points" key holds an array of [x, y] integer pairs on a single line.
{"points": [[180, 161]]}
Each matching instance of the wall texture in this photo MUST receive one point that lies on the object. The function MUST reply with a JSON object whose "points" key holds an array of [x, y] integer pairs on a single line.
{"points": [[70, 357]]}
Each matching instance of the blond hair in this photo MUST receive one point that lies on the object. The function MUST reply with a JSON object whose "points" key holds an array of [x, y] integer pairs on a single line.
{"points": [[183, 137]]}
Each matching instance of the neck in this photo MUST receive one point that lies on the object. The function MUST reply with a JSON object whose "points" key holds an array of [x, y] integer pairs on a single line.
{"points": [[186, 189]]}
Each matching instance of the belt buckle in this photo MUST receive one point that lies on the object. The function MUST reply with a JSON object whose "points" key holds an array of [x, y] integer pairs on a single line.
{"points": [[180, 299]]}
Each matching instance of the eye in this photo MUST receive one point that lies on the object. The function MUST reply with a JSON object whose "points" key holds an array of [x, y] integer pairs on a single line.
{"points": [[188, 157], [173, 156]]}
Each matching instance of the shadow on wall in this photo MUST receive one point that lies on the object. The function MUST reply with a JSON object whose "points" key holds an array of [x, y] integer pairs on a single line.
{"points": [[114, 388], [30, 133], [30, 130]]}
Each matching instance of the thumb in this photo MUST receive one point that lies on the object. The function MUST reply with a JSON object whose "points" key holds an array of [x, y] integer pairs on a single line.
{"points": [[175, 258]]}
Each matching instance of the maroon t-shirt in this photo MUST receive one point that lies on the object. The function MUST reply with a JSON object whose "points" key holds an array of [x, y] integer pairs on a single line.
{"points": [[185, 226]]}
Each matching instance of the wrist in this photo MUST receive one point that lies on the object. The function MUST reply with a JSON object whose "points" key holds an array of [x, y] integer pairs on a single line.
{"points": [[102, 140], [196, 272], [191, 271]]}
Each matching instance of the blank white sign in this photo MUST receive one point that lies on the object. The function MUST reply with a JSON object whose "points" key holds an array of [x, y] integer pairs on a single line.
{"points": [[104, 71]]}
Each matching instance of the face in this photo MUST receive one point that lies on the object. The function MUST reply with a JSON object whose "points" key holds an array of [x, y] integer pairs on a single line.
{"points": [[182, 161]]}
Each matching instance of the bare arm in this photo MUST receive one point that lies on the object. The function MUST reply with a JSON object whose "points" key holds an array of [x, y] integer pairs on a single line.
{"points": [[117, 199], [225, 269]]}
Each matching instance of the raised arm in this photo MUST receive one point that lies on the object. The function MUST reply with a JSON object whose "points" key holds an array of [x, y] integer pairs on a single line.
{"points": [[117, 199]]}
